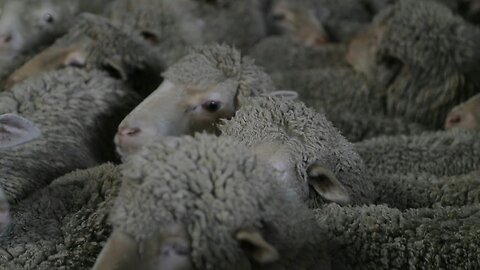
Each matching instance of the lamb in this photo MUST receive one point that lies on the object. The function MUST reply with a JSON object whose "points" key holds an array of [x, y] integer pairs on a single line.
{"points": [[217, 207], [77, 111], [95, 43], [422, 190], [27, 25], [441, 153], [208, 84], [465, 116], [379, 237], [304, 148], [280, 53], [14, 130], [174, 26]]}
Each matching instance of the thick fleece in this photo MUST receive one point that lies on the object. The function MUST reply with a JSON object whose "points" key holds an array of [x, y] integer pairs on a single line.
{"points": [[359, 127], [77, 112], [62, 226], [281, 53], [379, 237], [439, 66], [95, 43], [333, 90], [405, 191], [174, 26], [212, 187], [441, 153], [307, 136]]}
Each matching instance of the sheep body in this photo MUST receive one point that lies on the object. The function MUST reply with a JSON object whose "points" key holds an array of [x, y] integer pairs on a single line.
{"points": [[61, 226], [441, 153], [283, 54], [379, 237], [424, 190]]}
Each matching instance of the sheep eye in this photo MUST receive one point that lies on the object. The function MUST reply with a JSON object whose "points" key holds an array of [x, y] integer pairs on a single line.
{"points": [[211, 106], [48, 18]]}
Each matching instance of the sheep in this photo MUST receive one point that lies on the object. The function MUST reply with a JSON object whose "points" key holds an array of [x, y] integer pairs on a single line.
{"points": [[418, 76], [207, 202], [27, 25], [358, 127], [441, 153], [174, 26], [95, 43], [63, 225], [304, 148], [14, 130], [77, 111], [208, 84], [280, 53], [379, 237], [465, 116], [316, 22], [405, 191]]}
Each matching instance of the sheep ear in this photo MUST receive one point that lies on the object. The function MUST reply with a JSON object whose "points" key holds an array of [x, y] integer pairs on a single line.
{"points": [[119, 253], [285, 94], [253, 243], [326, 184], [15, 130], [75, 58], [116, 68]]}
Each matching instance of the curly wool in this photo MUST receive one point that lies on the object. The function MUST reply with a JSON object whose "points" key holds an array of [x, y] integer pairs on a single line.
{"points": [[442, 153], [284, 54], [359, 127], [103, 43], [220, 63], [62, 225], [439, 50], [405, 191], [77, 111], [213, 187], [332, 90], [178, 25], [379, 237], [308, 135]]}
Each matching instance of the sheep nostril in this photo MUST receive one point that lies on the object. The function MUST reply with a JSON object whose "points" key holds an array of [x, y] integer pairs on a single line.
{"points": [[452, 120]]}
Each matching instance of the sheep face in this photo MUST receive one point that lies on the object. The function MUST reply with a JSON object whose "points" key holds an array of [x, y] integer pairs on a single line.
{"points": [[465, 115], [25, 25], [14, 130], [175, 109], [95, 43], [207, 203], [298, 22]]}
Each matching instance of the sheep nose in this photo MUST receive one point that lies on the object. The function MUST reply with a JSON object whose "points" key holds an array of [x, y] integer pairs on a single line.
{"points": [[128, 131], [452, 120]]}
